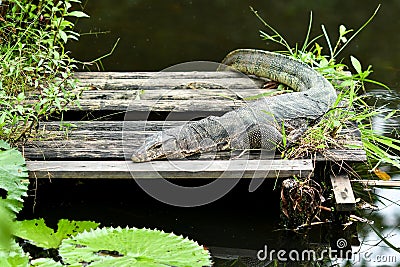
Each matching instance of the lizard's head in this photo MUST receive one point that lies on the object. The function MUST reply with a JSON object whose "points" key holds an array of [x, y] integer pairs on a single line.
{"points": [[158, 146]]}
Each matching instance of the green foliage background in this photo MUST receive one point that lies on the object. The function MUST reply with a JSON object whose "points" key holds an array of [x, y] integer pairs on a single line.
{"points": [[35, 70]]}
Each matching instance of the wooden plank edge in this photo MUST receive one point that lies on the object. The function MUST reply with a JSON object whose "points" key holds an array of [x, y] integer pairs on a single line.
{"points": [[170, 169], [344, 196], [152, 74], [380, 183], [340, 155]]}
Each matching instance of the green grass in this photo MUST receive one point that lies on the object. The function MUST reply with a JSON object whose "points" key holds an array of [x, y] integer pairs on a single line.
{"points": [[351, 107], [36, 72]]}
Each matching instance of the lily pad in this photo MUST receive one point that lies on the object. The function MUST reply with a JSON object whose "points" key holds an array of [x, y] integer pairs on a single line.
{"points": [[132, 247], [13, 256], [45, 262], [13, 177], [42, 236], [5, 226]]}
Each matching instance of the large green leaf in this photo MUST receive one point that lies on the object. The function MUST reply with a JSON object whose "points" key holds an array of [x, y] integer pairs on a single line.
{"points": [[45, 262], [13, 177], [132, 247], [42, 236], [5, 226], [13, 256]]}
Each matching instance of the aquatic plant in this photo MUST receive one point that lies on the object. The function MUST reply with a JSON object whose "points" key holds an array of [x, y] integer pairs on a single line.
{"points": [[13, 179], [77, 242], [13, 187], [132, 247], [39, 234], [13, 255]]}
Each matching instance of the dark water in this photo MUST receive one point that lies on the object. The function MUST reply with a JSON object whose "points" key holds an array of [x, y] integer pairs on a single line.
{"points": [[156, 34]]}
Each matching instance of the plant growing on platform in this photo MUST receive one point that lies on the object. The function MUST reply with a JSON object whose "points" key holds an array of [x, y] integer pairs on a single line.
{"points": [[36, 72], [350, 107]]}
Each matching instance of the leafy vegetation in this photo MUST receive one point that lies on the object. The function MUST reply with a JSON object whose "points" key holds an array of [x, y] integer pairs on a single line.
{"points": [[13, 255], [132, 247], [42, 236], [350, 108], [77, 242], [13, 177], [36, 73]]}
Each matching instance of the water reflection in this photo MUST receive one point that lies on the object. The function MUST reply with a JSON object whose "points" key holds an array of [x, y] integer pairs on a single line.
{"points": [[383, 125], [373, 251], [388, 101], [156, 34], [385, 97]]}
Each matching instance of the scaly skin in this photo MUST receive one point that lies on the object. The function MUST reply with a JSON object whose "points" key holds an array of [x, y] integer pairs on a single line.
{"points": [[257, 125]]}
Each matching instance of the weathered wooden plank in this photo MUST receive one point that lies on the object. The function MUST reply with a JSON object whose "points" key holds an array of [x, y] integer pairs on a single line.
{"points": [[110, 150], [175, 94], [169, 84], [114, 149], [109, 125], [169, 169], [337, 155], [142, 125], [87, 135], [76, 144], [343, 192], [135, 136], [105, 150], [381, 183], [95, 139], [347, 134], [217, 105], [161, 74]]}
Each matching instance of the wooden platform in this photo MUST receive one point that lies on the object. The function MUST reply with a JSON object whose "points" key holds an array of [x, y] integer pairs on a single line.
{"points": [[101, 134]]}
